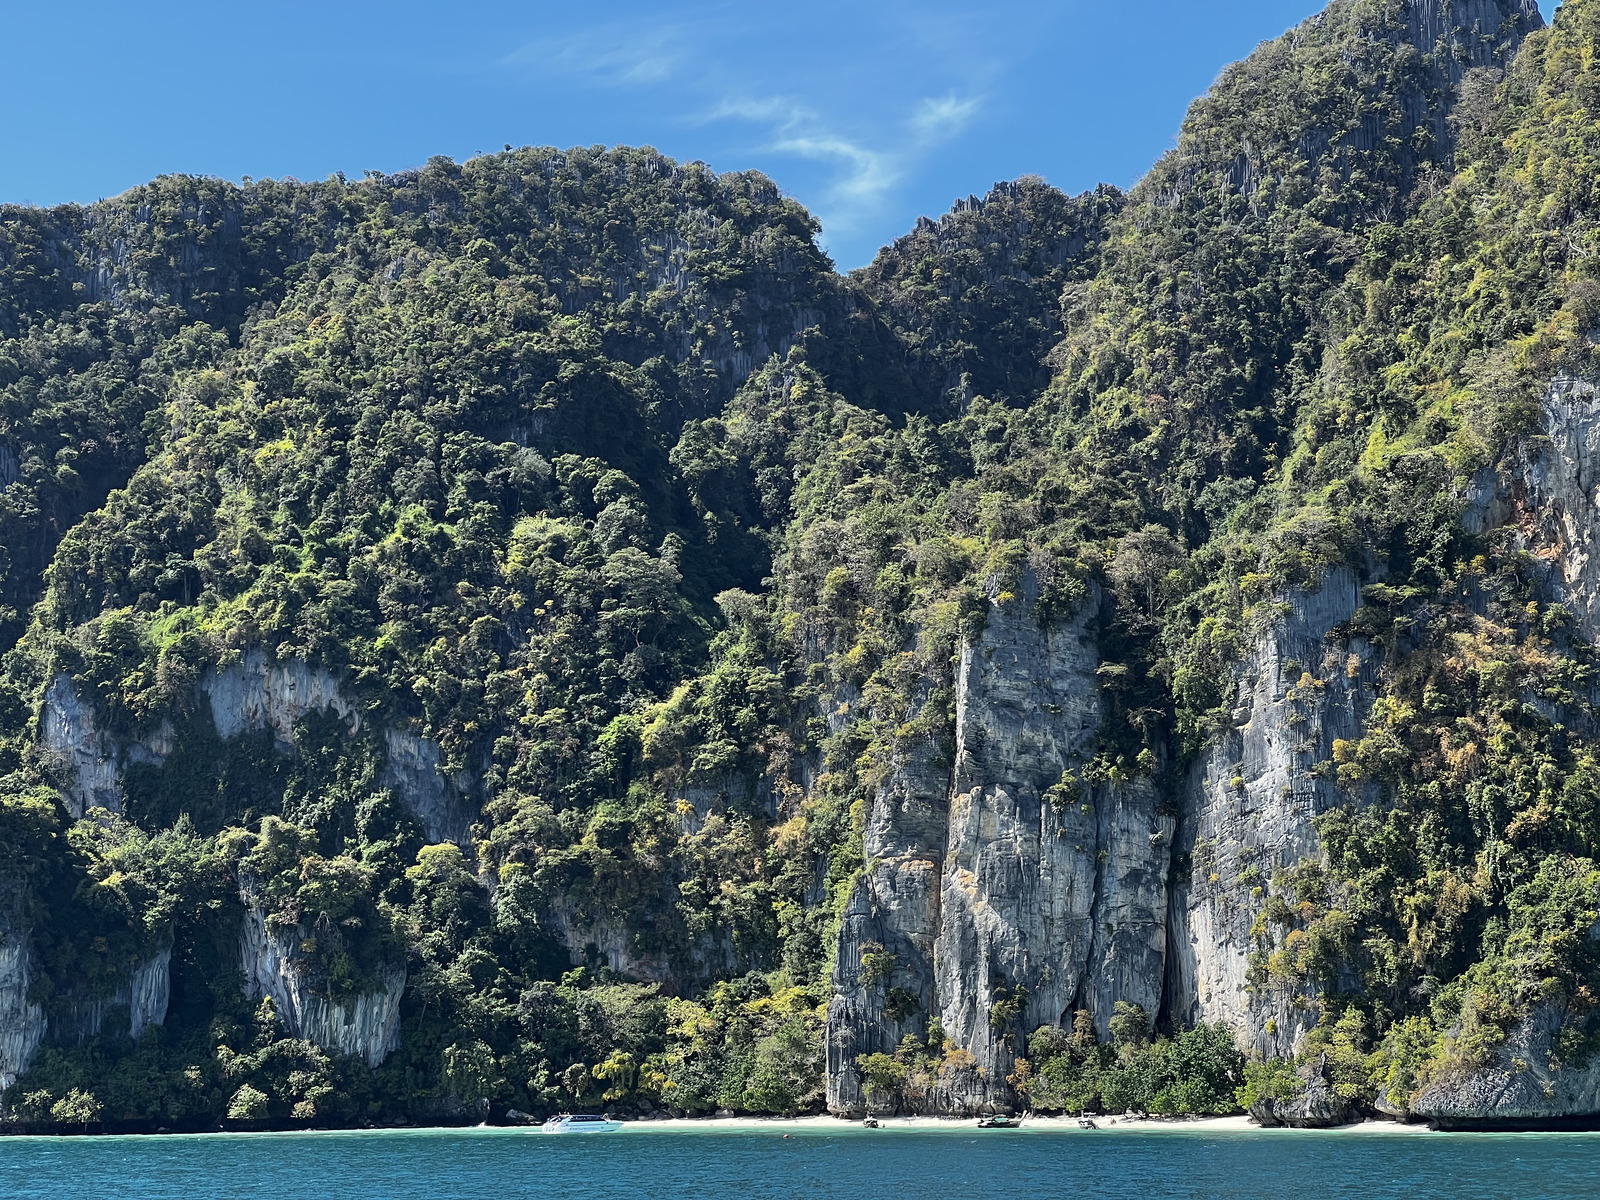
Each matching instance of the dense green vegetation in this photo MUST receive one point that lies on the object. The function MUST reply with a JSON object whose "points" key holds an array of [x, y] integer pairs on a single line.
{"points": [[587, 467]]}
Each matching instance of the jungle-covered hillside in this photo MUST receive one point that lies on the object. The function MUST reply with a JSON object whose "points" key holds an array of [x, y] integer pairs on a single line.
{"points": [[459, 624]]}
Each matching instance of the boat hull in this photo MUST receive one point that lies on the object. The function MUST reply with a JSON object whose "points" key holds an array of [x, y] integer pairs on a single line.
{"points": [[567, 1125]]}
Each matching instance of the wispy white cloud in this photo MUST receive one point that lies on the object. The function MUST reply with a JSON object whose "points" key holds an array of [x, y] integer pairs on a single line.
{"points": [[936, 120], [611, 55], [795, 128], [868, 172], [721, 62]]}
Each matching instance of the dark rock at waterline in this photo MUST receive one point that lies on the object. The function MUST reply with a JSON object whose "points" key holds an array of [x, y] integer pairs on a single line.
{"points": [[1316, 1106]]}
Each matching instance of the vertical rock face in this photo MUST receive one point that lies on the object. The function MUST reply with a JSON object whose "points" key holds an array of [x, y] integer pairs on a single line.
{"points": [[22, 1022], [1058, 897], [24, 1025], [67, 726], [989, 884], [1129, 955], [892, 911], [149, 993], [256, 693], [143, 999], [248, 696], [96, 759], [1519, 1087], [1462, 34], [1550, 494], [367, 1026], [1248, 805], [1019, 878], [1547, 494], [412, 771]]}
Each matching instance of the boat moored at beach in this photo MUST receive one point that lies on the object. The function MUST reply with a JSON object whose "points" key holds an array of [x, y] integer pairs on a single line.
{"points": [[580, 1123]]}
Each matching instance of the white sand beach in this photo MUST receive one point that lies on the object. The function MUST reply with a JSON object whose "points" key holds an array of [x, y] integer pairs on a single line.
{"points": [[1031, 1124]]}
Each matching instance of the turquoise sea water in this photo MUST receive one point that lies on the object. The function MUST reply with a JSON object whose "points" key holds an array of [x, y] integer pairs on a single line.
{"points": [[847, 1163]]}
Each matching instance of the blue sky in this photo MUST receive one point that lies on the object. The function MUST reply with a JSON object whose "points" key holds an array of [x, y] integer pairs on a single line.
{"points": [[870, 112]]}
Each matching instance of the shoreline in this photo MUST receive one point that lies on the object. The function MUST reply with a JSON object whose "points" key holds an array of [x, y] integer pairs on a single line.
{"points": [[807, 1125], [1035, 1124], [788, 1126]]}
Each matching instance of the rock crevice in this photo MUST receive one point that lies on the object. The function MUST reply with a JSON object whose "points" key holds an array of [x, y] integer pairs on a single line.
{"points": [[1249, 806], [1001, 891]]}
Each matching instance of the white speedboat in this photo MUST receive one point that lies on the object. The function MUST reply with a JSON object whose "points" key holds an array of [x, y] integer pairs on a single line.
{"points": [[580, 1123]]}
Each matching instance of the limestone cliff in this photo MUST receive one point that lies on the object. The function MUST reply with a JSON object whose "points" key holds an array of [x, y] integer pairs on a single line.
{"points": [[257, 693], [1519, 1087], [1248, 805], [252, 694], [22, 1022], [95, 759], [274, 967], [142, 1001], [1547, 492], [998, 878], [25, 1024]]}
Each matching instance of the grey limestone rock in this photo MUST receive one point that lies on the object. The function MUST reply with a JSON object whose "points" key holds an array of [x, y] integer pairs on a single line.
{"points": [[1459, 35], [1129, 956], [591, 937], [22, 1022], [25, 1024], [997, 875], [1547, 491], [95, 758], [149, 993], [367, 1026], [1317, 1106], [1523, 1084], [257, 693], [413, 772], [142, 1001], [1248, 807], [252, 694], [892, 910], [1019, 879]]}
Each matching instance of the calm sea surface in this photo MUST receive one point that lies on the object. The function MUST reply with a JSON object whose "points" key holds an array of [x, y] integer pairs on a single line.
{"points": [[850, 1164]]}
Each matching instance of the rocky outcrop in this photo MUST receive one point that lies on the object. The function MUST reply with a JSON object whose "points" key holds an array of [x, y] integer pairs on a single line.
{"points": [[94, 758], [1315, 1104], [22, 1022], [367, 1026], [1458, 35], [1248, 807], [1018, 884], [593, 939], [1129, 955], [1523, 1085], [141, 1002], [250, 695], [412, 771], [257, 693], [149, 993], [25, 1024], [1547, 493], [887, 931], [997, 882]]}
